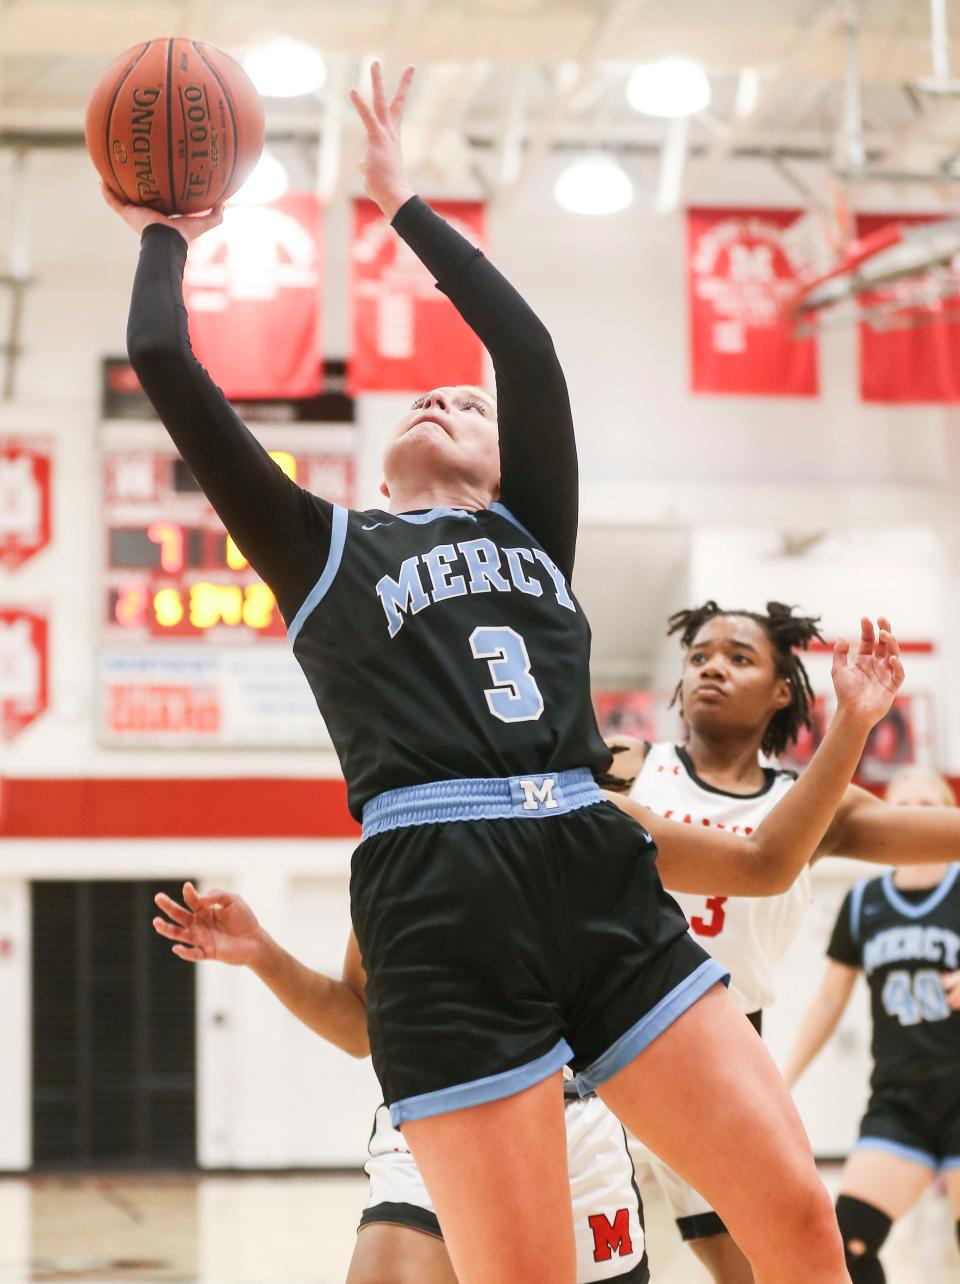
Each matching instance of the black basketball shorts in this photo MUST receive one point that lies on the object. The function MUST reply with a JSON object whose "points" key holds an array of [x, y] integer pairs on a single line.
{"points": [[919, 1121], [507, 928]]}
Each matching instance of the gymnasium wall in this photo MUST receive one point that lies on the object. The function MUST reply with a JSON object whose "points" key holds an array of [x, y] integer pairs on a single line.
{"points": [[652, 455]]}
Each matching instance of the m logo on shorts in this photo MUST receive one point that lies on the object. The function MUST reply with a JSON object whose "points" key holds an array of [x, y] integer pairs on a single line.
{"points": [[608, 1239], [536, 796]]}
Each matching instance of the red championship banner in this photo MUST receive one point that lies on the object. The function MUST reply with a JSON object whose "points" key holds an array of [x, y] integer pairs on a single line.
{"points": [[918, 358], [25, 469], [23, 669], [741, 272], [252, 289], [407, 336]]}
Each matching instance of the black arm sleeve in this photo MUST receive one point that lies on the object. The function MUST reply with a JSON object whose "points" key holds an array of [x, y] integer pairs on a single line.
{"points": [[538, 457], [281, 529], [843, 948]]}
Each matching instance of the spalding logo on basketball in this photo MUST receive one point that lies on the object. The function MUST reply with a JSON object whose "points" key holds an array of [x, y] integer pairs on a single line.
{"points": [[174, 124]]}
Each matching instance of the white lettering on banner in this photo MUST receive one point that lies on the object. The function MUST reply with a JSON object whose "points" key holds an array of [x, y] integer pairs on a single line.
{"points": [[21, 499], [536, 796], [254, 254]]}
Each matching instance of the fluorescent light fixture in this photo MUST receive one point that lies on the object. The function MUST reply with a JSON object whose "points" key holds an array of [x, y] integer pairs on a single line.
{"points": [[267, 183], [670, 87], [285, 68], [594, 185]]}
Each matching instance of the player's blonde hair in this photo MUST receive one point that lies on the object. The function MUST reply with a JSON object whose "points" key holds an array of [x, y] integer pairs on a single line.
{"points": [[942, 785]]}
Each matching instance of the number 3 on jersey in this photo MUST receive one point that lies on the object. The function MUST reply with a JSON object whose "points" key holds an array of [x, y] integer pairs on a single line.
{"points": [[713, 925], [514, 696]]}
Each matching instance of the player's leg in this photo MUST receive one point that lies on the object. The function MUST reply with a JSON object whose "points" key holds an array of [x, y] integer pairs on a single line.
{"points": [[951, 1178], [387, 1253], [723, 1259], [880, 1183], [399, 1240], [607, 1210], [700, 1227], [707, 1098], [497, 1173]]}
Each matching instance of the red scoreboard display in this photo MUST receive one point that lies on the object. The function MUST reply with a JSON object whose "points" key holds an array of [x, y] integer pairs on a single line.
{"points": [[172, 572]]}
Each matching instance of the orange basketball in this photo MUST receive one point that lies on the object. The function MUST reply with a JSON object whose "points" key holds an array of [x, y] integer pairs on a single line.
{"points": [[174, 124]]}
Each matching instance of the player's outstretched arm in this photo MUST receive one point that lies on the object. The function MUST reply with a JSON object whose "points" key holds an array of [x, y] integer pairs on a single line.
{"points": [[867, 828], [538, 455], [821, 1018], [280, 528], [223, 927], [715, 863]]}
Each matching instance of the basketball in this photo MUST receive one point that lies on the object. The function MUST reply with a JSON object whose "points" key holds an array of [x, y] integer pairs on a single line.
{"points": [[174, 124]]}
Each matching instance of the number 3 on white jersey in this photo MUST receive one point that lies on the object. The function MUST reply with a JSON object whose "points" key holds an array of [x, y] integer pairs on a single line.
{"points": [[515, 696]]}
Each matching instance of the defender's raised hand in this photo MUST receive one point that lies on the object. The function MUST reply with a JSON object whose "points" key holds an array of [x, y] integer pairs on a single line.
{"points": [[218, 926], [867, 682], [382, 162]]}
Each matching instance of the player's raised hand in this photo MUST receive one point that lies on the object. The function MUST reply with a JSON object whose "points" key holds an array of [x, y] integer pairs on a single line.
{"points": [[867, 681], [218, 926], [190, 226], [382, 161]]}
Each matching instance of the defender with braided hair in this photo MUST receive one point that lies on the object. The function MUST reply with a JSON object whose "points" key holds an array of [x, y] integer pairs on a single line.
{"points": [[744, 692]]}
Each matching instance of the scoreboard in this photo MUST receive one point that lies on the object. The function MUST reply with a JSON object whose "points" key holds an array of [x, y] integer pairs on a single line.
{"points": [[172, 571]]}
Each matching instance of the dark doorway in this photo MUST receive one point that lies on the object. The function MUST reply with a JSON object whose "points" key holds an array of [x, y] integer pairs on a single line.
{"points": [[114, 1032]]}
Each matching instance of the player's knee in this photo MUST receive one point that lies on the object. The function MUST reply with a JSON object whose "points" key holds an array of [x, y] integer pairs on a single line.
{"points": [[863, 1228]]}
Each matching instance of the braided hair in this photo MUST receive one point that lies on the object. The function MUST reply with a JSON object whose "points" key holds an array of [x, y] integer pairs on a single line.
{"points": [[787, 633]]}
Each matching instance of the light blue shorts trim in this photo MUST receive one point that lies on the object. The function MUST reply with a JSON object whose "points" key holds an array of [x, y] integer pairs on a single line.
{"points": [[658, 1019], [950, 1164], [492, 1088], [482, 798], [888, 1147]]}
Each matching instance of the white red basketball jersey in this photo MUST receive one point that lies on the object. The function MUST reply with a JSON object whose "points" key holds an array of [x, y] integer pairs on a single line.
{"points": [[746, 934]]}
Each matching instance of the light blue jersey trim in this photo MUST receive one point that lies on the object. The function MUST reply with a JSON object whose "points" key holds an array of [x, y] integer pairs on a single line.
{"points": [[856, 908], [950, 1164], [908, 908], [915, 1155], [493, 1088], [420, 519], [502, 511], [338, 538], [649, 1027], [482, 798]]}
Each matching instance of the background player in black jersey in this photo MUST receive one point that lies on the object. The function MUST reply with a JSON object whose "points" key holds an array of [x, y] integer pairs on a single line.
{"points": [[450, 661], [744, 693], [903, 932]]}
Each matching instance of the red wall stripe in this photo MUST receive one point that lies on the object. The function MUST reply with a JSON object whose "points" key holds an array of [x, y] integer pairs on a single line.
{"points": [[907, 648], [198, 808]]}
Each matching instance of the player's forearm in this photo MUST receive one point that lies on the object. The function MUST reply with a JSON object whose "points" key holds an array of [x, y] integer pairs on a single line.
{"points": [[876, 831], [818, 1025], [790, 835], [330, 1008]]}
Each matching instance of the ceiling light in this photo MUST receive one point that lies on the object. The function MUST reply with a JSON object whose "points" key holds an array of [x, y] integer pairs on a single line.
{"points": [[267, 183], [285, 68], [594, 185], [670, 87]]}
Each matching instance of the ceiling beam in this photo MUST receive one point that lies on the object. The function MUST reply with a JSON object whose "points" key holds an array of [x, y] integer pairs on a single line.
{"points": [[774, 88], [608, 29]]}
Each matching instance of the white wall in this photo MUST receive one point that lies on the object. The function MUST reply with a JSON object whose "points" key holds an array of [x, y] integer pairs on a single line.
{"points": [[270, 1093]]}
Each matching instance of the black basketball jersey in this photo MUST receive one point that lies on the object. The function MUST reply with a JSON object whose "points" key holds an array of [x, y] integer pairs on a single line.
{"points": [[903, 940], [446, 644]]}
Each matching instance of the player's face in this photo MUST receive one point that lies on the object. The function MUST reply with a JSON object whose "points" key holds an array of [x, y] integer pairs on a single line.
{"points": [[448, 435], [730, 681], [915, 791]]}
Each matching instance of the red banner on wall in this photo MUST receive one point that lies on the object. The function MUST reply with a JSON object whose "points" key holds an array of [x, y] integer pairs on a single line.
{"points": [[23, 669], [252, 289], [741, 273], [24, 501], [918, 359], [407, 336]]}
